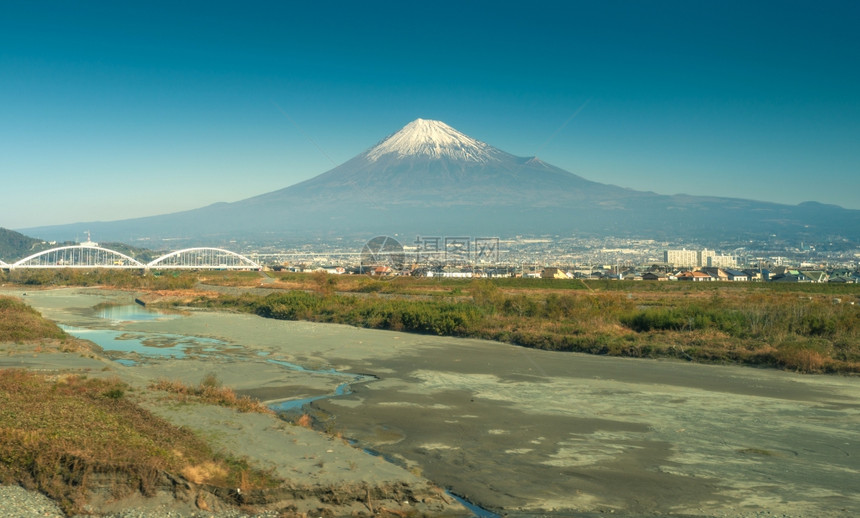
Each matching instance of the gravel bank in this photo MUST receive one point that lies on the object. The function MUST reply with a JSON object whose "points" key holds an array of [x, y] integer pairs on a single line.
{"points": [[17, 502]]}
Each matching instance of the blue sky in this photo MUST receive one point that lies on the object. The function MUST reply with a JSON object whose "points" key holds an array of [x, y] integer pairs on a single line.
{"points": [[111, 110]]}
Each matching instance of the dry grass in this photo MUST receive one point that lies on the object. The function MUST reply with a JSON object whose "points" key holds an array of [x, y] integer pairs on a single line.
{"points": [[210, 392], [304, 421], [122, 279], [57, 435], [230, 278], [201, 473], [21, 323]]}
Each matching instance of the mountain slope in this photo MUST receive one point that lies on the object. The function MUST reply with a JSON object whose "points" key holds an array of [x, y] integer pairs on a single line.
{"points": [[431, 179], [430, 158]]}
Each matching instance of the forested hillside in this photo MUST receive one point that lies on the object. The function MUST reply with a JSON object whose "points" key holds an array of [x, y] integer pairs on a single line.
{"points": [[14, 246]]}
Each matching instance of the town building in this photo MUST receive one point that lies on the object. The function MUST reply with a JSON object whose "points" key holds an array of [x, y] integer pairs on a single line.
{"points": [[721, 261], [681, 258]]}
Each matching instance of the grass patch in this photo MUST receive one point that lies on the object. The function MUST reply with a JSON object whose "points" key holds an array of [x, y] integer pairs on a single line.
{"points": [[58, 435]]}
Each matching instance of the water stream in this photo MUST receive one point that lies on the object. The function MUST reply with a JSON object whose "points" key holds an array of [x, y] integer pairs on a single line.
{"points": [[143, 345], [152, 345]]}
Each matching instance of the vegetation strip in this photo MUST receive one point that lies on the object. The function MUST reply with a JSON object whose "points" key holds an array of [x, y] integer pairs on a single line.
{"points": [[801, 327], [806, 331]]}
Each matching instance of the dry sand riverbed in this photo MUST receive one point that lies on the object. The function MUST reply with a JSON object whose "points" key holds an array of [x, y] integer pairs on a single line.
{"points": [[526, 432]]}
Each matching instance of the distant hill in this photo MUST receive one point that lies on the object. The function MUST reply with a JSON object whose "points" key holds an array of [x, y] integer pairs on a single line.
{"points": [[430, 179], [15, 246]]}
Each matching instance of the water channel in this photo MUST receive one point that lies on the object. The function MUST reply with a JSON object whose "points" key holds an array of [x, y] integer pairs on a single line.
{"points": [[131, 348]]}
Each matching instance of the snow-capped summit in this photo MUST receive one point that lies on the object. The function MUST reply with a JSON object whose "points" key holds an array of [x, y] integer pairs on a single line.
{"points": [[433, 139]]}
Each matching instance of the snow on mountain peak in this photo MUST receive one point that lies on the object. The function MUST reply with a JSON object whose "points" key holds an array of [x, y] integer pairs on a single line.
{"points": [[434, 139]]}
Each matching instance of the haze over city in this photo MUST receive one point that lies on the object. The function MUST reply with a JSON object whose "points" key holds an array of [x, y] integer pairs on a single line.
{"points": [[115, 111]]}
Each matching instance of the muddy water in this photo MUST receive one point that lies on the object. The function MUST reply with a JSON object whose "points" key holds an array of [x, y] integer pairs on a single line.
{"points": [[526, 432]]}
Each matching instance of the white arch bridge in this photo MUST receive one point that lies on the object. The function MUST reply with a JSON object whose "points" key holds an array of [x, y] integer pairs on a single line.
{"points": [[87, 256]]}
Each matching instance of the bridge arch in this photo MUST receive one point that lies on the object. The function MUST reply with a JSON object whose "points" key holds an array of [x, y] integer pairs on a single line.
{"points": [[3, 265], [203, 258], [78, 256]]}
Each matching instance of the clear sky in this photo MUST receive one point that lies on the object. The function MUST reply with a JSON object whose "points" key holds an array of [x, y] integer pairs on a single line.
{"points": [[111, 110]]}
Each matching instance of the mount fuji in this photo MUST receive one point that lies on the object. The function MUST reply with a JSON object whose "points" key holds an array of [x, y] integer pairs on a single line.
{"points": [[430, 179]]}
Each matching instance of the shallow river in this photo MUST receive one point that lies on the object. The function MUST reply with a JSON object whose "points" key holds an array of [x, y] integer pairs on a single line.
{"points": [[133, 348]]}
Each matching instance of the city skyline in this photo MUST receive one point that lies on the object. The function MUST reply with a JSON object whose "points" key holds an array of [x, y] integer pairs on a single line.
{"points": [[117, 111]]}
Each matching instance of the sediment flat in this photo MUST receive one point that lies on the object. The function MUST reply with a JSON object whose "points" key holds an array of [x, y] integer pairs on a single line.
{"points": [[522, 431]]}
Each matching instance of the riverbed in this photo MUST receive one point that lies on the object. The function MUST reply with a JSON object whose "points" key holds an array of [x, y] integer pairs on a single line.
{"points": [[527, 432]]}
